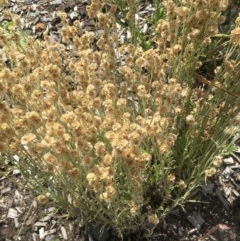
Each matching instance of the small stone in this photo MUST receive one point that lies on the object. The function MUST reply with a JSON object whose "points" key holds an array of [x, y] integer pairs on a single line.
{"points": [[41, 233], [64, 233], [196, 220], [16, 172], [145, 28], [40, 224], [227, 172], [5, 190], [46, 218], [228, 160], [73, 15], [12, 213], [17, 158], [57, 2], [34, 7], [49, 232], [51, 210], [16, 223]]}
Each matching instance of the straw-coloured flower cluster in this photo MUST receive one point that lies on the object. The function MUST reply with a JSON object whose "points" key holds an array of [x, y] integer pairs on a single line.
{"points": [[103, 123]]}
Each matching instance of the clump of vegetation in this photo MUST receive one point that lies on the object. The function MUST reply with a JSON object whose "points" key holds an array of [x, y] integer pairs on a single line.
{"points": [[116, 133]]}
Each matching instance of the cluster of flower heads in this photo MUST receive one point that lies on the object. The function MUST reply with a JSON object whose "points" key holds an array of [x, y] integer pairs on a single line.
{"points": [[87, 111]]}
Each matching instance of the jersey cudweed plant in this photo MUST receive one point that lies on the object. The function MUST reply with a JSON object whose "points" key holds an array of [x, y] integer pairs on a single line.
{"points": [[113, 133]]}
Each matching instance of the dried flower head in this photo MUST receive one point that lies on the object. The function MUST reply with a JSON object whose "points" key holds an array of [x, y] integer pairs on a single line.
{"points": [[43, 198], [210, 172], [171, 179], [28, 139], [218, 161], [182, 185], [153, 219]]}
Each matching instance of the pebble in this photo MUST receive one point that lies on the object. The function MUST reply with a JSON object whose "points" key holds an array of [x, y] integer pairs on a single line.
{"points": [[64, 233], [5, 190], [40, 224], [41, 233], [12, 213]]}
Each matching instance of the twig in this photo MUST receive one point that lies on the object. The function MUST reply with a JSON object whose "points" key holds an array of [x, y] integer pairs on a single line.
{"points": [[25, 219], [209, 83]]}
